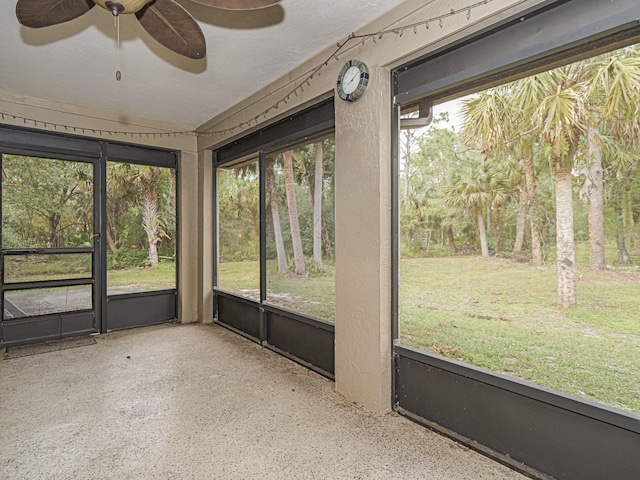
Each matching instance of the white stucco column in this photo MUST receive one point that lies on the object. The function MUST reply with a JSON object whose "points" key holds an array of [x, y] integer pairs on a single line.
{"points": [[205, 229], [189, 235], [363, 245]]}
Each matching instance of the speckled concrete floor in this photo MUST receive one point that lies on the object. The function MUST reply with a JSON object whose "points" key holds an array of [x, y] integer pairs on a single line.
{"points": [[199, 402]]}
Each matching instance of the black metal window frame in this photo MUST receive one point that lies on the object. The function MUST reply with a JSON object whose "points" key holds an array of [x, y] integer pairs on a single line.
{"points": [[58, 146], [532, 429], [139, 309], [304, 339]]}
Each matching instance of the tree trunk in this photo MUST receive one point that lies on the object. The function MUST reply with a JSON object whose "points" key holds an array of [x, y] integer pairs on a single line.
{"points": [[628, 218], [275, 218], [566, 259], [521, 221], [472, 235], [497, 229], [623, 253], [595, 201], [482, 231], [636, 232], [326, 241], [111, 243], [452, 239], [151, 223], [54, 222], [531, 189], [298, 254], [317, 207], [408, 142]]}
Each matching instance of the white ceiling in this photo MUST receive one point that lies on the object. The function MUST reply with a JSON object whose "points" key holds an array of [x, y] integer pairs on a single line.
{"points": [[75, 63]]}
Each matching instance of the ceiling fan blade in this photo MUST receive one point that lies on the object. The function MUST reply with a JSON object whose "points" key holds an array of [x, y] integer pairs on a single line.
{"points": [[238, 4], [44, 13], [173, 27]]}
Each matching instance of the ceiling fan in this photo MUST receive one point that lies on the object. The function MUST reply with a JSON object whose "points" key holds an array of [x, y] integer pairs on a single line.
{"points": [[165, 20]]}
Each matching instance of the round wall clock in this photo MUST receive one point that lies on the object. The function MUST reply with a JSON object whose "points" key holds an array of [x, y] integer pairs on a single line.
{"points": [[353, 80]]}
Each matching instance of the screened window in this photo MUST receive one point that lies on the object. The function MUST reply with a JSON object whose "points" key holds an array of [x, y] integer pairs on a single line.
{"points": [[47, 203], [141, 228], [298, 229], [238, 188], [300, 245], [519, 235]]}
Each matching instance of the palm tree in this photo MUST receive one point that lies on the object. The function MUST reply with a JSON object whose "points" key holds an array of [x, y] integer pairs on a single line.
{"points": [[481, 185], [275, 217], [145, 185], [555, 102], [317, 204], [149, 179], [613, 96], [290, 187], [492, 124]]}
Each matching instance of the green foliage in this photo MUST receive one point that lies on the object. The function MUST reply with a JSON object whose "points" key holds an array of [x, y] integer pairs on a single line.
{"points": [[46, 203], [316, 271], [446, 174], [239, 203], [242, 252], [126, 258], [130, 187], [239, 214], [239, 234], [49, 203]]}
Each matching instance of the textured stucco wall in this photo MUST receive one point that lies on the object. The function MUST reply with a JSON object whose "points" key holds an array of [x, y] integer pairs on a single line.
{"points": [[190, 235], [363, 245]]}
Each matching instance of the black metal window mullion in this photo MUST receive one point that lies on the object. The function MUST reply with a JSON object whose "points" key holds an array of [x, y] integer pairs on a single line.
{"points": [[100, 229], [1, 247], [214, 233], [47, 251], [262, 163], [46, 284]]}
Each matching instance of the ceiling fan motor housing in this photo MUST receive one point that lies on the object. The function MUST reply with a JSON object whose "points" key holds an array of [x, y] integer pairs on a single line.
{"points": [[122, 6]]}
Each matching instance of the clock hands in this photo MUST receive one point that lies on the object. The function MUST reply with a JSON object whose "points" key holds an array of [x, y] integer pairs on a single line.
{"points": [[354, 75], [352, 80]]}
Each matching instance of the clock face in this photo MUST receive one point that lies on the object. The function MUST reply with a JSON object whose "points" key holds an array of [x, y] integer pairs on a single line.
{"points": [[352, 80]]}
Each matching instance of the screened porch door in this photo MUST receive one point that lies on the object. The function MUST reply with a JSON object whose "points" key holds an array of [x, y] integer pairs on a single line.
{"points": [[49, 249]]}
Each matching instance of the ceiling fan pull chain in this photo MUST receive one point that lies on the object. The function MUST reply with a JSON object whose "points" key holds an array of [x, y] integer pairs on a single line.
{"points": [[118, 73]]}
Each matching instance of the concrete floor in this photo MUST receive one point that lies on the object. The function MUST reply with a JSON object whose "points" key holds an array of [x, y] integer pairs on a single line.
{"points": [[200, 402]]}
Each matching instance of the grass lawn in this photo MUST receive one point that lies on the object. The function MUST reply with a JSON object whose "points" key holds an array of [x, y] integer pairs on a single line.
{"points": [[502, 316], [69, 266], [160, 277], [499, 315], [313, 295], [490, 312]]}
